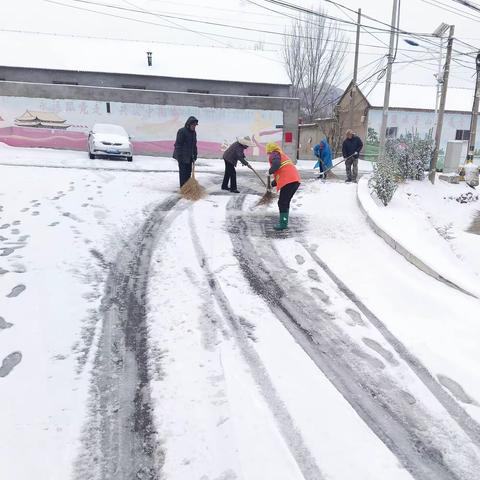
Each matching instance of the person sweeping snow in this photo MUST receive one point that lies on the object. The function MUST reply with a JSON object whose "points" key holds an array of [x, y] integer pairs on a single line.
{"points": [[233, 154], [324, 154], [286, 180], [351, 151], [185, 150]]}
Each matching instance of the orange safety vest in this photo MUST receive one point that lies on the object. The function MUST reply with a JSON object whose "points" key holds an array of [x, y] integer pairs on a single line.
{"points": [[287, 173]]}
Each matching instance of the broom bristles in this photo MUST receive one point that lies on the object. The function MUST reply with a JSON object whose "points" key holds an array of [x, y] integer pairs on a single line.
{"points": [[267, 198], [191, 189]]}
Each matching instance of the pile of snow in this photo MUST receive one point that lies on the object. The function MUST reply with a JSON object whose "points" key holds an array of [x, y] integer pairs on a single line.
{"points": [[432, 224]]}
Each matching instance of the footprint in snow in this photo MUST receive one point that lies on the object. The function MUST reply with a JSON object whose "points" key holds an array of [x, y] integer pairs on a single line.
{"points": [[54, 224], [356, 318], [321, 295], [408, 397], [19, 268], [313, 274], [26, 209], [456, 390], [16, 223], [33, 201], [16, 291], [6, 252], [3, 271], [4, 226], [15, 231], [2, 239], [383, 352], [35, 213], [4, 324], [300, 260], [9, 363]]}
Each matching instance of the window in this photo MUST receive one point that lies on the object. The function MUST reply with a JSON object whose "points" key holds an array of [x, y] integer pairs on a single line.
{"points": [[63, 82], [258, 95], [193, 90], [391, 132], [108, 107], [462, 135], [137, 87]]}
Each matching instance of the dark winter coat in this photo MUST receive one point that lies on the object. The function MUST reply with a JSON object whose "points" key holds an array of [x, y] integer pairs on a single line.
{"points": [[351, 145], [234, 153], [186, 143]]}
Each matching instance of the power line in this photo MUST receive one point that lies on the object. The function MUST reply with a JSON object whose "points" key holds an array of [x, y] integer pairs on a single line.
{"points": [[178, 27], [426, 37], [137, 9]]}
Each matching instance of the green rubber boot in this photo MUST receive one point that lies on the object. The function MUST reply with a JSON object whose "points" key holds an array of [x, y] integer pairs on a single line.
{"points": [[282, 223]]}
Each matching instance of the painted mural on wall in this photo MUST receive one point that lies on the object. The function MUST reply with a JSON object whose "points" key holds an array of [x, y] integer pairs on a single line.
{"points": [[402, 122], [64, 124]]}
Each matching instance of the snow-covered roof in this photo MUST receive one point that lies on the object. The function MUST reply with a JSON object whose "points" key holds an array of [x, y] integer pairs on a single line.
{"points": [[119, 56], [419, 96]]}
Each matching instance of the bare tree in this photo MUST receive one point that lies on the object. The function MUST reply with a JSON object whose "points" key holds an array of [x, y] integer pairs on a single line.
{"points": [[314, 53]]}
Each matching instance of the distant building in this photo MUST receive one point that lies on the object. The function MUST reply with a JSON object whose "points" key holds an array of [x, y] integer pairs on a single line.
{"points": [[412, 110], [148, 88]]}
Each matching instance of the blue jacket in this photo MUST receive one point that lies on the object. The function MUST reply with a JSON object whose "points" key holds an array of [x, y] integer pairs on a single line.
{"points": [[324, 154]]}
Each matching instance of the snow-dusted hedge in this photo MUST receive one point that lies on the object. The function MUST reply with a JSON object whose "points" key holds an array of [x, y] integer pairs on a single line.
{"points": [[383, 181], [410, 154]]}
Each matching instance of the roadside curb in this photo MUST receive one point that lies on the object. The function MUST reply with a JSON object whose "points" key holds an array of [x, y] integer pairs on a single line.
{"points": [[398, 247]]}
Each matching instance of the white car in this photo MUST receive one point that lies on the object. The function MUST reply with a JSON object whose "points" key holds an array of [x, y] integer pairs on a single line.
{"points": [[109, 140]]}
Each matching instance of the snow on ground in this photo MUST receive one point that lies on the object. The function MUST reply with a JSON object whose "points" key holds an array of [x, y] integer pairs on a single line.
{"points": [[143, 335], [429, 222], [438, 324], [59, 229]]}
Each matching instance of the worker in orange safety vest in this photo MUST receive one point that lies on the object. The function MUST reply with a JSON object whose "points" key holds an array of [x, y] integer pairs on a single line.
{"points": [[286, 179]]}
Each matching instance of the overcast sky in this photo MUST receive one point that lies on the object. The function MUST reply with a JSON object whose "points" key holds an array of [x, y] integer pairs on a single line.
{"points": [[416, 16]]}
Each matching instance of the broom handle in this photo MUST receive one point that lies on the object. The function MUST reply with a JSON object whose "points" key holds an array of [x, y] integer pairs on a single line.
{"points": [[193, 170], [338, 163], [259, 177]]}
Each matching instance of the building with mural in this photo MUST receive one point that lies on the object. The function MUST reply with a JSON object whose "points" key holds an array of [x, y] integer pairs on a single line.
{"points": [[412, 110], [52, 99]]}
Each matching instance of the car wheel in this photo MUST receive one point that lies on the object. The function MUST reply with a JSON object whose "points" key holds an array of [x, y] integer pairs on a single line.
{"points": [[91, 156], [130, 159]]}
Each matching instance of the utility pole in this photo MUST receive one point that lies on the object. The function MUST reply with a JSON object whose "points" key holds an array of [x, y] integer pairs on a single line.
{"points": [[473, 121], [353, 90], [441, 110], [357, 47], [388, 81]]}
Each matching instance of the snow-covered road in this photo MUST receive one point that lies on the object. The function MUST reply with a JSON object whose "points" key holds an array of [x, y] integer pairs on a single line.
{"points": [[143, 336]]}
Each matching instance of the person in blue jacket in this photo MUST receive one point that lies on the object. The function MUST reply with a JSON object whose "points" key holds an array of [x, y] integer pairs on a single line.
{"points": [[324, 154]]}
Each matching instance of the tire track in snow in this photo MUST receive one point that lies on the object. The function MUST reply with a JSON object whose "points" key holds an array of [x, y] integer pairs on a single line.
{"points": [[285, 423], [120, 441], [463, 419], [409, 431]]}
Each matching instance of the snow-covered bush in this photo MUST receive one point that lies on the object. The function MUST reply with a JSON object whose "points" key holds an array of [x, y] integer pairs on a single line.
{"points": [[384, 182], [411, 155]]}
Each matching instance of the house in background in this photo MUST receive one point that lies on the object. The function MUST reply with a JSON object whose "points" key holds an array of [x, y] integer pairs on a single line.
{"points": [[412, 110]]}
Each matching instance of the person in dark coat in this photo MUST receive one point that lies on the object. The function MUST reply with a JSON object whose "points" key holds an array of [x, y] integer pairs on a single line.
{"points": [[233, 154], [352, 145], [185, 151]]}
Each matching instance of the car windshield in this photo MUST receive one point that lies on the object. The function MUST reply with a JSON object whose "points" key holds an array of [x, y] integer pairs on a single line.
{"points": [[109, 129]]}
